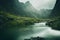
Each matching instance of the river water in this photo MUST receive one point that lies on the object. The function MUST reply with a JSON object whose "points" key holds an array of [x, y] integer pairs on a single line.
{"points": [[39, 29]]}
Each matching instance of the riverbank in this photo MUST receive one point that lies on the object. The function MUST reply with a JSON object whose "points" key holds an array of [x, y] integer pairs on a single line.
{"points": [[11, 25], [55, 24], [11, 20]]}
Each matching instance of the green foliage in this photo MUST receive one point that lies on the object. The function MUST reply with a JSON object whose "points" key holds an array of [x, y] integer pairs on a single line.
{"points": [[55, 24], [8, 20]]}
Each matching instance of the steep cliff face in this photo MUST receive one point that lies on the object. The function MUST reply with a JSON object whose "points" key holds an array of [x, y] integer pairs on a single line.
{"points": [[56, 10], [55, 24]]}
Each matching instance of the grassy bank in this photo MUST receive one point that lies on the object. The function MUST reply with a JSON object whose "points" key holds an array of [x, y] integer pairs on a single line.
{"points": [[8, 20]]}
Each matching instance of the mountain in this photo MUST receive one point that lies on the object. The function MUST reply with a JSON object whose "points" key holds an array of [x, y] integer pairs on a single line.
{"points": [[23, 9], [56, 11], [44, 13], [12, 6], [18, 8], [30, 10]]}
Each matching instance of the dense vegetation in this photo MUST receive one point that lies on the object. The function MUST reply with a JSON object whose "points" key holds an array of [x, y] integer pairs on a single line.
{"points": [[11, 20], [10, 24], [55, 23]]}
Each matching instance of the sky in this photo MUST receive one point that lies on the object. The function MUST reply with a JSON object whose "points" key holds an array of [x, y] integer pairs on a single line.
{"points": [[40, 4]]}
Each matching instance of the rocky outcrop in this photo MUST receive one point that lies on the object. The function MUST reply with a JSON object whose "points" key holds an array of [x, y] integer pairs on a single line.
{"points": [[35, 38], [55, 24]]}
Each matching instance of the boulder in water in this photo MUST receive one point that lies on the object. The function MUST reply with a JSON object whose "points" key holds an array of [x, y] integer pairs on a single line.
{"points": [[36, 38]]}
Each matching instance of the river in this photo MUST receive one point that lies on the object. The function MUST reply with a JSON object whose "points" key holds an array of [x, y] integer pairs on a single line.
{"points": [[38, 29]]}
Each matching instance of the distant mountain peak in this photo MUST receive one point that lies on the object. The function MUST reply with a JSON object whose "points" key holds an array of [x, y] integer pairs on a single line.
{"points": [[28, 3]]}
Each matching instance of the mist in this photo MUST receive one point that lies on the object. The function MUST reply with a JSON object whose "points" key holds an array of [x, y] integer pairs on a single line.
{"points": [[40, 4]]}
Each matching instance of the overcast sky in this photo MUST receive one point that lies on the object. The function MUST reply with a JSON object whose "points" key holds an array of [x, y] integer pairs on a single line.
{"points": [[40, 4]]}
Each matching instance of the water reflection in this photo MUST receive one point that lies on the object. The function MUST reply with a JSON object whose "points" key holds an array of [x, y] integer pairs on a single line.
{"points": [[39, 29]]}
